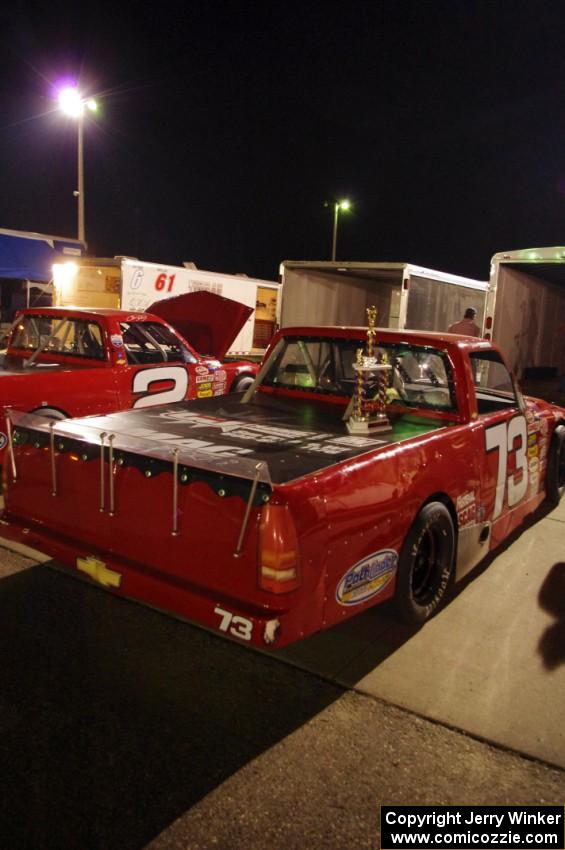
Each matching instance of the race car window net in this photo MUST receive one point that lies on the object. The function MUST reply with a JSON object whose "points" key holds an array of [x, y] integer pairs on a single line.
{"points": [[421, 377], [53, 335], [494, 386], [150, 342]]}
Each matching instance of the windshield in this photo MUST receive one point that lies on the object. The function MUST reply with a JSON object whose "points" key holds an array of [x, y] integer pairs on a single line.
{"points": [[420, 376]]}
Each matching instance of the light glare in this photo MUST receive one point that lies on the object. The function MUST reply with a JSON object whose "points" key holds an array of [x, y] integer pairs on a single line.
{"points": [[71, 102]]}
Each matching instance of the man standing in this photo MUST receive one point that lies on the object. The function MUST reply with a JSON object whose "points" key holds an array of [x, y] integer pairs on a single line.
{"points": [[467, 326]]}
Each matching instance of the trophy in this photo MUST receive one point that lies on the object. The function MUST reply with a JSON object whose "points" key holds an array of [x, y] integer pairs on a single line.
{"points": [[368, 416]]}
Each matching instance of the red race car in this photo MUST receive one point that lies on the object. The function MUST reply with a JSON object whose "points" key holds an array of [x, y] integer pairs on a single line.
{"points": [[65, 362], [359, 468]]}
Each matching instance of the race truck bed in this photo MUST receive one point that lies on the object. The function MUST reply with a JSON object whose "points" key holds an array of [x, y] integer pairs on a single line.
{"points": [[290, 439]]}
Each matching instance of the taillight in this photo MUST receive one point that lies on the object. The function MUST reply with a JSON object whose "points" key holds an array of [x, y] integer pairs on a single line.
{"points": [[278, 551]]}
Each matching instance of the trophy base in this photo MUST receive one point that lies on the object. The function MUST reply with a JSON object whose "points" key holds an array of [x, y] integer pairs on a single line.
{"points": [[369, 426]]}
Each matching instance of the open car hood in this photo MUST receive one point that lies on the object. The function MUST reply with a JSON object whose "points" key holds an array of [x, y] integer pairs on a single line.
{"points": [[209, 322]]}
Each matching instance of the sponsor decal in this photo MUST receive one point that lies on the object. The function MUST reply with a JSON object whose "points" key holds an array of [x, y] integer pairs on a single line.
{"points": [[358, 442], [466, 509], [98, 571], [253, 434], [204, 393], [205, 380], [543, 444], [367, 578], [117, 340], [534, 469], [201, 370], [220, 375], [3, 440]]}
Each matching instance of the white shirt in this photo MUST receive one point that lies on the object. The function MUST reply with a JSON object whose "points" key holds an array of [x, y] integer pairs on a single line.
{"points": [[466, 327]]}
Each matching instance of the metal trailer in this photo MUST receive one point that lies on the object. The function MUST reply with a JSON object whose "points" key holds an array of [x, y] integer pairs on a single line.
{"points": [[525, 310], [132, 284], [405, 295]]}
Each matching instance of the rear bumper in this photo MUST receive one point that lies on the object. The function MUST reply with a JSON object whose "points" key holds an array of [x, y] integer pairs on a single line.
{"points": [[251, 624]]}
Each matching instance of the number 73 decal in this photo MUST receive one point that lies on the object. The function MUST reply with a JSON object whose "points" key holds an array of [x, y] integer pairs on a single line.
{"points": [[502, 438]]}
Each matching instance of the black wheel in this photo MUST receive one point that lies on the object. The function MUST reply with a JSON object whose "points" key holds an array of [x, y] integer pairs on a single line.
{"points": [[242, 383], [555, 476], [426, 564]]}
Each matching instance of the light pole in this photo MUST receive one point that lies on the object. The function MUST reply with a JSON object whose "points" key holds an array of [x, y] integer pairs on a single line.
{"points": [[74, 105], [339, 205]]}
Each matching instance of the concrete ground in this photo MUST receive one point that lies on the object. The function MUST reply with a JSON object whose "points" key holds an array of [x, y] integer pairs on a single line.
{"points": [[491, 663]]}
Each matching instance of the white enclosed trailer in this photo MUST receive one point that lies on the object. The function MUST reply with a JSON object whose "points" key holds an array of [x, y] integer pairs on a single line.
{"points": [[525, 311], [405, 295], [134, 285]]}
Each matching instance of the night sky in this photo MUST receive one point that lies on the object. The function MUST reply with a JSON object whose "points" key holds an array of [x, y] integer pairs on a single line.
{"points": [[223, 129]]}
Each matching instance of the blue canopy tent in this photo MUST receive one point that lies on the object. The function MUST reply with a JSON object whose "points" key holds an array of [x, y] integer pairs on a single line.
{"points": [[30, 256], [27, 259]]}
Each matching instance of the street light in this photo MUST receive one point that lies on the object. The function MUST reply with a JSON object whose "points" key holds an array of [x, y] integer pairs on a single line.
{"points": [[339, 205], [74, 105]]}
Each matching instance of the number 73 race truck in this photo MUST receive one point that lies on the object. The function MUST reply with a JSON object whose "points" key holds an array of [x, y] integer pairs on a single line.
{"points": [[362, 465]]}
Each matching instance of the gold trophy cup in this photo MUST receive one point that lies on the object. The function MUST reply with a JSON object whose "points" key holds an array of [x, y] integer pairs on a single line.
{"points": [[369, 415]]}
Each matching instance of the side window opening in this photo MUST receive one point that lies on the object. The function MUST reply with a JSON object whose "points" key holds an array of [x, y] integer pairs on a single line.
{"points": [[75, 337], [494, 386], [150, 342]]}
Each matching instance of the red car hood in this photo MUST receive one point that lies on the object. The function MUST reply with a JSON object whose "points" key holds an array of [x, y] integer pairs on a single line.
{"points": [[209, 322]]}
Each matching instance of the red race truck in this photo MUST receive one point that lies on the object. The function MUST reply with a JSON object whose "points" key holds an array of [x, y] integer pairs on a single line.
{"points": [[75, 362], [269, 517]]}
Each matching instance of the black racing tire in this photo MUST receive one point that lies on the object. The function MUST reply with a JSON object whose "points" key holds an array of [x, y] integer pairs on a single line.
{"points": [[425, 566], [242, 383], [555, 476]]}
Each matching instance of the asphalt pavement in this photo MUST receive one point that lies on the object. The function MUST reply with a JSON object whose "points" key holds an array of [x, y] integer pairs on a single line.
{"points": [[123, 729]]}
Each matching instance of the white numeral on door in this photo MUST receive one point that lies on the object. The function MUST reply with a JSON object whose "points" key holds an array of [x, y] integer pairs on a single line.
{"points": [[502, 437], [143, 379]]}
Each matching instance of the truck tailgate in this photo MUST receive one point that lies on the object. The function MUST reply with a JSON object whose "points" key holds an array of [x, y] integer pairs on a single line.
{"points": [[165, 523]]}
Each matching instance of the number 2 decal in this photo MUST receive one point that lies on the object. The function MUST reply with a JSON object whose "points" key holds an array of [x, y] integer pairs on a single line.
{"points": [[501, 437], [143, 379]]}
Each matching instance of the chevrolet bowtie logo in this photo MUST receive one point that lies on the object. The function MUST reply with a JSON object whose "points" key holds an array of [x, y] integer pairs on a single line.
{"points": [[98, 571]]}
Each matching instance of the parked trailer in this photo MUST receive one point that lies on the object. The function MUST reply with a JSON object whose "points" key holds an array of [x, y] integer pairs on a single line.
{"points": [[406, 295], [131, 284], [525, 310]]}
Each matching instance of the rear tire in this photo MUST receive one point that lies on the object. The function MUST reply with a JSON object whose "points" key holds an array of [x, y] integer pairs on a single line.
{"points": [[242, 383], [555, 475], [426, 564]]}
